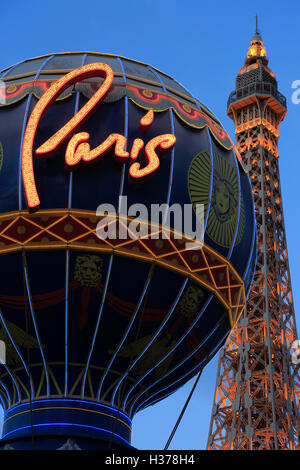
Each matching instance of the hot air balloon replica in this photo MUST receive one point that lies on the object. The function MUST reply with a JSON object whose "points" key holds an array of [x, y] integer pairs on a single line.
{"points": [[99, 323]]}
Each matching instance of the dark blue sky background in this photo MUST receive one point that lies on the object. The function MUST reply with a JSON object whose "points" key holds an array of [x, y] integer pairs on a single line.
{"points": [[202, 44]]}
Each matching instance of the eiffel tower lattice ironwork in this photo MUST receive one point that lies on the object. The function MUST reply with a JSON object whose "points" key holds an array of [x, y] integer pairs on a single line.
{"points": [[257, 395]]}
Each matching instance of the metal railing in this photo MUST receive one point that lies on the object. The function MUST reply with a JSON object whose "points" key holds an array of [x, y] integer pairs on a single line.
{"points": [[257, 88]]}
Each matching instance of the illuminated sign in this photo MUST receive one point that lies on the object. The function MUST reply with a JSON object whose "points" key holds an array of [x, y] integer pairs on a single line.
{"points": [[78, 149]]}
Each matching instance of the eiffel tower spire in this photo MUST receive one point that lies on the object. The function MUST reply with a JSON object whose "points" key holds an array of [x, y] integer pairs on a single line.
{"points": [[257, 396]]}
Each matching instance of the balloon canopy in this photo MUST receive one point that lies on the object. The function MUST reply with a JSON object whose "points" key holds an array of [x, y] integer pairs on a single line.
{"points": [[99, 318]]}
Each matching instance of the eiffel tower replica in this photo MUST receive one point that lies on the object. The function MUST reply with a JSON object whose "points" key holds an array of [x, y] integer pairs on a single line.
{"points": [[257, 395]]}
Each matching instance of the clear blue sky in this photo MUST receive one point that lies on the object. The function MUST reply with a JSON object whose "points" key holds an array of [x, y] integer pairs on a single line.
{"points": [[202, 45]]}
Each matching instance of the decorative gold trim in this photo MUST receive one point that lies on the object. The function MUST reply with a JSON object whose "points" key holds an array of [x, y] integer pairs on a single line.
{"points": [[203, 267]]}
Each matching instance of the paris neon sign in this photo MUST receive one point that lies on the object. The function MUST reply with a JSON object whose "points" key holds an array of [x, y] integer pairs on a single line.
{"points": [[78, 150]]}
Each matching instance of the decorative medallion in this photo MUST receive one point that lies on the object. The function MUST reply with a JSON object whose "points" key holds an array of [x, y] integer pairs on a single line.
{"points": [[223, 202], [88, 270], [189, 304]]}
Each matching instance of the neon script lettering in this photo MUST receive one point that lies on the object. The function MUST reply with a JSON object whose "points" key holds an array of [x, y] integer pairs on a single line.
{"points": [[78, 150]]}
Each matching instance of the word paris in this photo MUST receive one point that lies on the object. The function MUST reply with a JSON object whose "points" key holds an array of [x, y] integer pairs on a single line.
{"points": [[78, 149], [135, 222]]}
